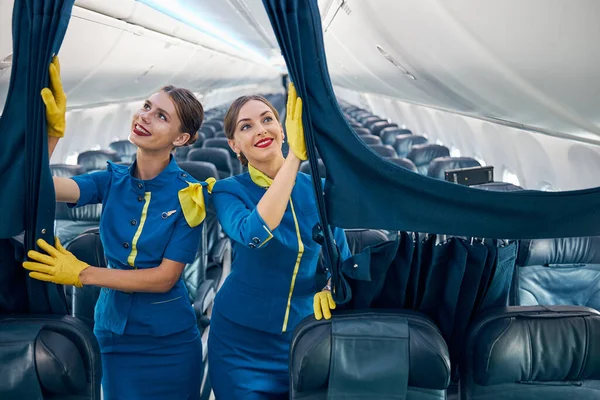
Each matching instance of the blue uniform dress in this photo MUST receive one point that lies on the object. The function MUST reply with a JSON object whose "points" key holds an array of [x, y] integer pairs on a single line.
{"points": [[150, 343], [270, 288]]}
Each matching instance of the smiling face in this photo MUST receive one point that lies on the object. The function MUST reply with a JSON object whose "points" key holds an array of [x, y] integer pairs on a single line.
{"points": [[255, 132], [157, 126]]}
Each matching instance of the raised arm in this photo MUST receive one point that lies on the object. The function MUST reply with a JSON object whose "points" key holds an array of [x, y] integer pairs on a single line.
{"points": [[273, 204]]}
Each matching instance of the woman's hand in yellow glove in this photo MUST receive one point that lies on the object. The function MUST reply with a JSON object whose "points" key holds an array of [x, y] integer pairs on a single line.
{"points": [[293, 124], [56, 102], [59, 266], [323, 304]]}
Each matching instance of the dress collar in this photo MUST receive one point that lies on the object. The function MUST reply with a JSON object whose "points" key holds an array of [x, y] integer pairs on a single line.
{"points": [[259, 177]]}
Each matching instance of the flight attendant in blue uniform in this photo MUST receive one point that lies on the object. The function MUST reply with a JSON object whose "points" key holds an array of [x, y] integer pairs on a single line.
{"points": [[150, 228], [269, 213]]}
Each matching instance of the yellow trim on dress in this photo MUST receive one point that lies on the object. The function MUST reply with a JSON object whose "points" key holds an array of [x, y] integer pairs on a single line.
{"points": [[138, 233], [296, 268]]}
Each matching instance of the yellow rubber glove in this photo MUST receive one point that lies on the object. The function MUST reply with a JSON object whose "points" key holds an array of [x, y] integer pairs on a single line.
{"points": [[293, 124], [60, 266], [323, 304], [56, 102]]}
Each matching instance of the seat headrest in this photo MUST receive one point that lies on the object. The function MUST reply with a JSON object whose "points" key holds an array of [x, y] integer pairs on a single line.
{"points": [[429, 361], [370, 123], [404, 162], [199, 170], [182, 152], [423, 154], [360, 239], [371, 139], [389, 135], [575, 250], [305, 167], [96, 159], [59, 365], [439, 166], [66, 170], [535, 344], [378, 127], [383, 150], [199, 141], [217, 156], [87, 247], [405, 143], [123, 148], [362, 132], [498, 187], [220, 143]]}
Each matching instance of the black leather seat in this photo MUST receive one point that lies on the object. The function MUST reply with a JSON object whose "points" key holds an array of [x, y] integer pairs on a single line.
{"points": [[378, 127], [370, 123], [390, 134], [562, 271], [383, 150], [218, 157], [49, 357], [439, 166], [369, 355], [404, 162], [371, 139], [533, 353], [125, 149], [405, 143], [422, 155], [96, 159], [222, 143], [305, 167], [362, 132]]}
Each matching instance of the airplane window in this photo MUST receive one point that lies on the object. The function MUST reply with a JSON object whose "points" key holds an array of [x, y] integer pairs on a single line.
{"points": [[72, 159], [454, 151], [510, 177]]}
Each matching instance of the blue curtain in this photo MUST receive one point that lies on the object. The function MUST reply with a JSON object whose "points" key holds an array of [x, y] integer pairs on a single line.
{"points": [[27, 202], [365, 191]]}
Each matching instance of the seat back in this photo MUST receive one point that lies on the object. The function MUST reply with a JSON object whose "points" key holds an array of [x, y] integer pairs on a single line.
{"points": [[369, 355], [371, 139], [362, 131], [377, 127], [222, 143], [305, 167], [562, 271], [389, 134], [525, 353], [439, 166], [383, 150], [404, 143], [422, 155], [218, 157], [125, 149], [404, 162], [96, 159]]}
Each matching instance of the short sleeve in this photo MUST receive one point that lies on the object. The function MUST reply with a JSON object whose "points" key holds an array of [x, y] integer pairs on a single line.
{"points": [[184, 242], [240, 223], [92, 187]]}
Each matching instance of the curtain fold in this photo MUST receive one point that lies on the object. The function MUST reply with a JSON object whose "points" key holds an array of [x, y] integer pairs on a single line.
{"points": [[39, 27]]}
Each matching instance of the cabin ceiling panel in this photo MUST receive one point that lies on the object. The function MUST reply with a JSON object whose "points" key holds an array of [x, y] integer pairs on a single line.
{"points": [[533, 63]]}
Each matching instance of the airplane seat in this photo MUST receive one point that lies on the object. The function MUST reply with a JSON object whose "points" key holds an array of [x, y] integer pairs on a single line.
{"points": [[404, 162], [370, 123], [377, 127], [404, 143], [305, 167], [208, 131], [362, 131], [220, 158], [498, 187], [367, 354], [526, 353], [70, 222], [125, 149], [383, 150], [217, 256], [369, 119], [561, 271], [221, 134], [222, 143], [371, 139], [88, 248], [389, 135], [181, 153], [96, 159], [439, 166], [48, 356], [215, 123], [422, 155]]}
